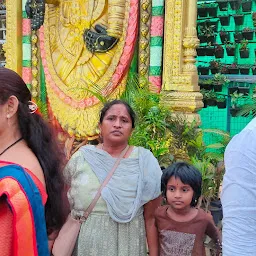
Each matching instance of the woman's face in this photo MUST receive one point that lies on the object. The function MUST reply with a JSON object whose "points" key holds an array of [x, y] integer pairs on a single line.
{"points": [[116, 125]]}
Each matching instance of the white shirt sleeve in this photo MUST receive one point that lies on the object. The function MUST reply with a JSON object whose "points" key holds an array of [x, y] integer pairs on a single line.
{"points": [[239, 196]]}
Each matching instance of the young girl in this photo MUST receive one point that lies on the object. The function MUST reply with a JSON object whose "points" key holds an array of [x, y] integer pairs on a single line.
{"points": [[181, 226]]}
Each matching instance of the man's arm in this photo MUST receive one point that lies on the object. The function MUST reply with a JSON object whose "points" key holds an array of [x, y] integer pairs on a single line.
{"points": [[239, 197]]}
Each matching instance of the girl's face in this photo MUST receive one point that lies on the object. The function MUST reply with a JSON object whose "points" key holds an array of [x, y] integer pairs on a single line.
{"points": [[178, 194]]}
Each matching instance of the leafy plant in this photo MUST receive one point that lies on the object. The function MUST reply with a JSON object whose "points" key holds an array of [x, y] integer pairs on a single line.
{"points": [[235, 97], [207, 30], [230, 45], [207, 170], [187, 138], [205, 81], [215, 64], [241, 66], [243, 45], [151, 129], [247, 29], [221, 99], [210, 95], [233, 65], [249, 107], [220, 79], [210, 164], [224, 69], [215, 151], [218, 47]]}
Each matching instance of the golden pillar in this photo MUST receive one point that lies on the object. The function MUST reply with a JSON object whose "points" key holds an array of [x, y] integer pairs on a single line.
{"points": [[13, 45], [180, 89]]}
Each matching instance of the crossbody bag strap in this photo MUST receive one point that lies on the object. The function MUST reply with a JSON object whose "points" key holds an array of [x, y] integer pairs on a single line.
{"points": [[96, 198]]}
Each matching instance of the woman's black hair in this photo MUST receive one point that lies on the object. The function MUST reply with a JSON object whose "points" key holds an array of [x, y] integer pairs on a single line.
{"points": [[109, 104], [188, 174], [39, 138]]}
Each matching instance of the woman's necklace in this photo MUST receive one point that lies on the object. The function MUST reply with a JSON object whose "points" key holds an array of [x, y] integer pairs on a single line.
{"points": [[15, 142]]}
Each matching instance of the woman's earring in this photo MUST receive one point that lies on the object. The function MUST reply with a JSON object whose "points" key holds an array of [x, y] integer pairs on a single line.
{"points": [[7, 116]]}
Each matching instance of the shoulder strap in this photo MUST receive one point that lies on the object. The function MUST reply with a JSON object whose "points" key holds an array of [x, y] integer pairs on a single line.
{"points": [[96, 198]]}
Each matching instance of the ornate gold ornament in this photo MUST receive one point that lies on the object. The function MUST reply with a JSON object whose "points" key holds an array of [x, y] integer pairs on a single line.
{"points": [[72, 71], [144, 40], [180, 80]]}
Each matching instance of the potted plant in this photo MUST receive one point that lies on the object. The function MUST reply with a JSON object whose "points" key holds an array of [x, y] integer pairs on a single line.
{"points": [[221, 102], [215, 152], [234, 4], [233, 89], [208, 31], [202, 38], [215, 206], [218, 81], [239, 19], [207, 170], [201, 51], [253, 69], [223, 5], [246, 5], [209, 50], [210, 98], [214, 66], [224, 19], [224, 69], [238, 37], [248, 33], [233, 68], [243, 49], [235, 106], [244, 90], [219, 51], [212, 23], [244, 69], [254, 18], [205, 84], [203, 91], [201, 10], [230, 48], [203, 70], [212, 9], [224, 36]]}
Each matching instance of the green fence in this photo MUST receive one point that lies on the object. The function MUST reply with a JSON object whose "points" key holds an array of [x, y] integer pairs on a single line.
{"points": [[222, 28]]}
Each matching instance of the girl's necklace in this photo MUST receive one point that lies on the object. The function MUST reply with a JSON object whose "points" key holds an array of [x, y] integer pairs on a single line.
{"points": [[15, 142]]}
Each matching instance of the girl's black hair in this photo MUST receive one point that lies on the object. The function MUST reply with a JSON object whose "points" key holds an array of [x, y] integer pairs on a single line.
{"points": [[39, 137], [188, 174], [109, 104]]}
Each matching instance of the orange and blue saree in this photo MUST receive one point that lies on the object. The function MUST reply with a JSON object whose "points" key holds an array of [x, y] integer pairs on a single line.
{"points": [[22, 219]]}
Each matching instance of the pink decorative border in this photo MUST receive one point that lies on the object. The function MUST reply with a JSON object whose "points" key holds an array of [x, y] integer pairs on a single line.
{"points": [[27, 75], [156, 81], [121, 68], [26, 28], [157, 25], [26, 31]]}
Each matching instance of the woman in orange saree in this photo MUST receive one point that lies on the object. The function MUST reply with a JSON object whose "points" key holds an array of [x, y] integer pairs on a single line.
{"points": [[22, 219], [31, 186]]}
